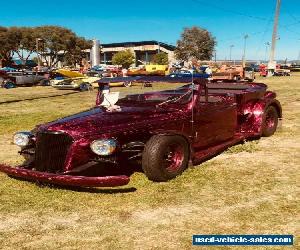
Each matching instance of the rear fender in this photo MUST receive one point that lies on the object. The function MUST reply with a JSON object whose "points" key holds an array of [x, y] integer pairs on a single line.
{"points": [[253, 113]]}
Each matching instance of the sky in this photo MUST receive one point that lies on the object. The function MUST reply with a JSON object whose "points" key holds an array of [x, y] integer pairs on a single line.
{"points": [[136, 20]]}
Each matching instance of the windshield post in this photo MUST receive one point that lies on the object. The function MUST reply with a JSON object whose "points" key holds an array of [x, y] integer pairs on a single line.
{"points": [[206, 92]]}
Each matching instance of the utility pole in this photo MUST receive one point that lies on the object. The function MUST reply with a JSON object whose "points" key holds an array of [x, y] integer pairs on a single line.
{"points": [[230, 50], [244, 52], [266, 51], [37, 40], [272, 63], [298, 58], [215, 52]]}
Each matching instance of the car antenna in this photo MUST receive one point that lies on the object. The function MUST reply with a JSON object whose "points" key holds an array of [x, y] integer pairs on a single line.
{"points": [[192, 121]]}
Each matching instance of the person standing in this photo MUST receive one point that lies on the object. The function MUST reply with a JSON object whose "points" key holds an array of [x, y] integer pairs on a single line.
{"points": [[208, 71], [124, 72]]}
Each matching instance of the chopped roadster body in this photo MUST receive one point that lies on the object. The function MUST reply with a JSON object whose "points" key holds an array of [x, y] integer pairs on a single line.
{"points": [[164, 131]]}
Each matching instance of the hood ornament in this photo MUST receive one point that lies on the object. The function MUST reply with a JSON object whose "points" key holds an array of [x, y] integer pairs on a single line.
{"points": [[108, 100]]}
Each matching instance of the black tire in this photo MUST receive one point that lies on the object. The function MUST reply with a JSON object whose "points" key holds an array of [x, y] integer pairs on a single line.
{"points": [[44, 82], [84, 86], [90, 86], [165, 157], [9, 85], [270, 121], [237, 78], [127, 84]]}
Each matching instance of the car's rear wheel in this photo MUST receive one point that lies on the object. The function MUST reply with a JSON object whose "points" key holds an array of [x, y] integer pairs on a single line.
{"points": [[165, 157], [270, 121]]}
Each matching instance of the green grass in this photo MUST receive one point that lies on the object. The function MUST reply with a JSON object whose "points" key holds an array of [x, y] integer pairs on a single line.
{"points": [[251, 188]]}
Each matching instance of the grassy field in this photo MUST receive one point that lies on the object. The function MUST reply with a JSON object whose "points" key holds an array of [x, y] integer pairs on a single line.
{"points": [[249, 189]]}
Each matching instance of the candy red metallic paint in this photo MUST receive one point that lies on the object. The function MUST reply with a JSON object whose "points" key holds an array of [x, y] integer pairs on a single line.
{"points": [[194, 123]]}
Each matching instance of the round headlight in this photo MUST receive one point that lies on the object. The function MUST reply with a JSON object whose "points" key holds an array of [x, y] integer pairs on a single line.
{"points": [[22, 138], [104, 147]]}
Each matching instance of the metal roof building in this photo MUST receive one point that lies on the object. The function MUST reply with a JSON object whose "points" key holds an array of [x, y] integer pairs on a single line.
{"points": [[143, 51]]}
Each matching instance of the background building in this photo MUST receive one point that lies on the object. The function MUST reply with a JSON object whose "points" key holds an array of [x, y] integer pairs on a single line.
{"points": [[143, 51]]}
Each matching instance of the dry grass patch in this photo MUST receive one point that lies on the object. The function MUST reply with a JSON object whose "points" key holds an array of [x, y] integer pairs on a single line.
{"points": [[252, 188]]}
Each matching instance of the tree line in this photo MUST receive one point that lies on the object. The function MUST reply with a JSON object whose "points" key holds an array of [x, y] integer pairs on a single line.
{"points": [[53, 43], [195, 43], [49, 42]]}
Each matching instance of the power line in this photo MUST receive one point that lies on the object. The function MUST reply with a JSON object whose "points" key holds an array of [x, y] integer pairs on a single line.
{"points": [[291, 15], [286, 27], [205, 3], [291, 31], [263, 37], [289, 25], [241, 36]]}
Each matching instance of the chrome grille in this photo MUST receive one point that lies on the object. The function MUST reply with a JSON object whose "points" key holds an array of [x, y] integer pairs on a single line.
{"points": [[51, 151]]}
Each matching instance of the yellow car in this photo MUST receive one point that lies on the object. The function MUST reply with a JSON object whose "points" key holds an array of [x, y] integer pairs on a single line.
{"points": [[74, 80]]}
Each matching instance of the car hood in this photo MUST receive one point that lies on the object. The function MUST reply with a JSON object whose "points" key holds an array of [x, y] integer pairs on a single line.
{"points": [[99, 121]]}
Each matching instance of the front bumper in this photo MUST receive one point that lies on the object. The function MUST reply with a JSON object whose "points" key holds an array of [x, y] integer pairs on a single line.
{"points": [[66, 180]]}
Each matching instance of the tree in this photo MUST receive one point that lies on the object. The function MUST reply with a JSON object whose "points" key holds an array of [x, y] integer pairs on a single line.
{"points": [[76, 52], [25, 42], [8, 45], [195, 43], [50, 42], [161, 58], [124, 58], [57, 42]]}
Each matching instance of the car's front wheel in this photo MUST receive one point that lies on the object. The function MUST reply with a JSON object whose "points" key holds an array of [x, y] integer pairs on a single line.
{"points": [[45, 82], [85, 86], [165, 157], [9, 85]]}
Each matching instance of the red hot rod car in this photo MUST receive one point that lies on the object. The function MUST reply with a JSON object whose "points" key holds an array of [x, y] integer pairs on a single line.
{"points": [[165, 131]]}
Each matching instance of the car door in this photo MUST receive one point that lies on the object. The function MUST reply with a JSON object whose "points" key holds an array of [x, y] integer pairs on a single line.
{"points": [[25, 78], [19, 78], [31, 78], [215, 121]]}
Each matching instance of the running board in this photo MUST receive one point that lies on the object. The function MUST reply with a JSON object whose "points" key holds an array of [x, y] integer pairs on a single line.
{"points": [[207, 153]]}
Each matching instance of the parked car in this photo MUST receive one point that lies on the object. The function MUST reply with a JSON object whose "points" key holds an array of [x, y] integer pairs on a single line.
{"points": [[28, 78], [255, 67], [164, 130], [249, 74], [144, 72], [6, 81], [277, 72], [66, 79], [234, 73], [295, 68], [187, 73]]}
